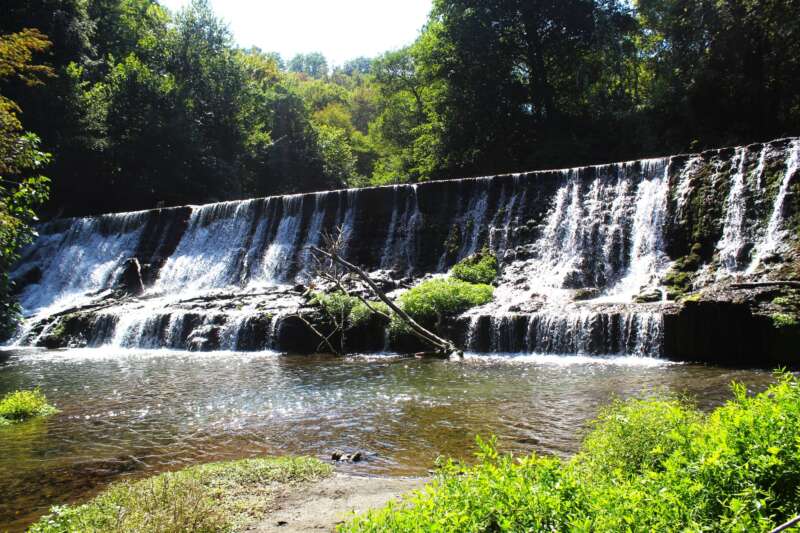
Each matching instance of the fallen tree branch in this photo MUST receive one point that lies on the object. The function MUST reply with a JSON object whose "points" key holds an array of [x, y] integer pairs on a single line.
{"points": [[318, 333], [793, 522], [223, 296], [82, 309], [758, 284]]}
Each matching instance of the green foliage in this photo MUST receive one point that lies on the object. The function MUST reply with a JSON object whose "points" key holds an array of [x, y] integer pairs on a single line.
{"points": [[443, 297], [314, 65], [788, 310], [479, 268], [21, 405], [648, 465], [20, 193], [784, 320], [339, 161], [636, 436], [346, 309], [334, 303], [360, 313], [207, 498]]}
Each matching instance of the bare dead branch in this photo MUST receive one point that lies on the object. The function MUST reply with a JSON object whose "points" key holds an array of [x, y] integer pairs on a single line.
{"points": [[439, 343], [325, 340]]}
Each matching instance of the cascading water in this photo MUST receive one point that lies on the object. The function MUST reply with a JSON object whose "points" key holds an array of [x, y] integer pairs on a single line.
{"points": [[732, 240], [77, 258], [776, 233], [576, 247]]}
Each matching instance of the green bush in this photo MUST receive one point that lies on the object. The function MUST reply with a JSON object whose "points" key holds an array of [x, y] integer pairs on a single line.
{"points": [[648, 465], [360, 313], [635, 436], [342, 306], [206, 498], [22, 405], [478, 268], [784, 320], [443, 296], [334, 303]]}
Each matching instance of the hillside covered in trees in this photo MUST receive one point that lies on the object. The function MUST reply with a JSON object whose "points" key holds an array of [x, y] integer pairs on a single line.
{"points": [[141, 107]]}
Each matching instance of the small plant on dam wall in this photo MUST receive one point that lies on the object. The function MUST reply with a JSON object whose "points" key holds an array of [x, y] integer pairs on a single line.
{"points": [[432, 301], [478, 268]]}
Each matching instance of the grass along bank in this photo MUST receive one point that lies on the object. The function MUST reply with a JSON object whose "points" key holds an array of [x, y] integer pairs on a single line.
{"points": [[215, 497], [647, 465], [22, 405]]}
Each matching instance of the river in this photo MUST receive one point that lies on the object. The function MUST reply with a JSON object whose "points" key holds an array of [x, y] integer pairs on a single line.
{"points": [[130, 413]]}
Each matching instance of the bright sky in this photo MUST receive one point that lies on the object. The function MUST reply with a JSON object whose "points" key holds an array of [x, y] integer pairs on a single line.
{"points": [[340, 29]]}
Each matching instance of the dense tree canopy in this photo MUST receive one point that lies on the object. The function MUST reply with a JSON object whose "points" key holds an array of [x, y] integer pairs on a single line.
{"points": [[151, 108], [21, 189]]}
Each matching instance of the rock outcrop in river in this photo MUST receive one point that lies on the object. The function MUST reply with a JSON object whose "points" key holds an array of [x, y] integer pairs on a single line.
{"points": [[640, 258]]}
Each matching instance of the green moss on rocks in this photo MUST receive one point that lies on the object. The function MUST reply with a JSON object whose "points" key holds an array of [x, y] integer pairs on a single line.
{"points": [[707, 204], [452, 243], [679, 278], [67, 331]]}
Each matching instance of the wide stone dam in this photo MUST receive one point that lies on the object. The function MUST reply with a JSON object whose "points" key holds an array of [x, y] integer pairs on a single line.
{"points": [[689, 257]]}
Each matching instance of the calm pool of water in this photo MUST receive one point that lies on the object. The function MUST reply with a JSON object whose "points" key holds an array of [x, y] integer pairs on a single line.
{"points": [[134, 413]]}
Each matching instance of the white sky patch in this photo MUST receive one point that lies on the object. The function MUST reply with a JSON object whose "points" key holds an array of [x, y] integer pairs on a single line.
{"points": [[340, 29]]}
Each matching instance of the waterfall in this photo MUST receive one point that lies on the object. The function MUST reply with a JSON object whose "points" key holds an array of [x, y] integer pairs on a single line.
{"points": [[581, 332], [222, 276], [733, 228], [77, 258], [211, 251], [282, 249], [775, 233], [647, 260], [399, 249]]}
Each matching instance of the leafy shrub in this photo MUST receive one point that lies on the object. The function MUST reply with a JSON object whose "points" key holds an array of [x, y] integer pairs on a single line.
{"points": [[443, 296], [636, 435], [478, 268], [334, 303], [22, 405], [784, 320], [648, 465], [342, 306], [360, 313], [206, 498], [783, 301]]}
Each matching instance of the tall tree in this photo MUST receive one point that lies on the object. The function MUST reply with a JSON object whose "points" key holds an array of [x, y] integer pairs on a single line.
{"points": [[312, 64], [20, 192]]}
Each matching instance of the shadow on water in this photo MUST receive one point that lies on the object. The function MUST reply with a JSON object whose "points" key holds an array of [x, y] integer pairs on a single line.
{"points": [[128, 414]]}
